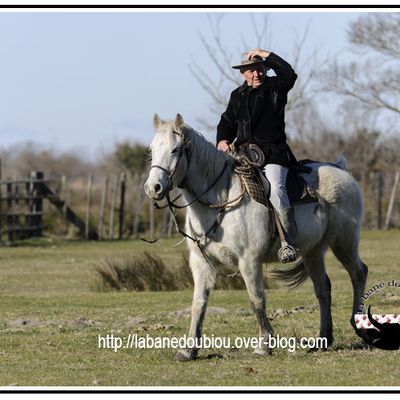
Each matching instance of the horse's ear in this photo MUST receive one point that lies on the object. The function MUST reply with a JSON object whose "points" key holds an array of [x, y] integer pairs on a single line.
{"points": [[156, 121], [179, 122]]}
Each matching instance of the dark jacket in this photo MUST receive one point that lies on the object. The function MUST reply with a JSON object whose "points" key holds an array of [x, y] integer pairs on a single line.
{"points": [[258, 115]]}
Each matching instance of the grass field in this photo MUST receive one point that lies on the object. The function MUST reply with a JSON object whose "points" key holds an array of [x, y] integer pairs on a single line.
{"points": [[51, 318]]}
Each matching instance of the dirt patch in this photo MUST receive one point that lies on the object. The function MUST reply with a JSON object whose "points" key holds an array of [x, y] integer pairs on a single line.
{"points": [[83, 322], [134, 322], [25, 323], [281, 312], [244, 311], [391, 298], [186, 312], [154, 327]]}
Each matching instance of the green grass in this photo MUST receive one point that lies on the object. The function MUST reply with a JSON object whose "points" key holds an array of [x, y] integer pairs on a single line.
{"points": [[51, 319]]}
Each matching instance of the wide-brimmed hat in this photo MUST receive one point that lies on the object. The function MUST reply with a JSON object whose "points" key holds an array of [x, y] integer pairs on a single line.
{"points": [[256, 60]]}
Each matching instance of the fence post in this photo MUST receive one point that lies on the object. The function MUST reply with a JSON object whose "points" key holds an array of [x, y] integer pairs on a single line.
{"points": [[28, 202], [372, 207], [88, 205], [10, 219], [102, 209], [37, 203], [138, 204], [122, 188], [112, 208], [64, 196], [392, 198], [380, 194], [17, 222]]}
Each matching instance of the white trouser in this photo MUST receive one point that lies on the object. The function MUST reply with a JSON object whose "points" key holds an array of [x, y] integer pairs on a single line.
{"points": [[276, 175]]}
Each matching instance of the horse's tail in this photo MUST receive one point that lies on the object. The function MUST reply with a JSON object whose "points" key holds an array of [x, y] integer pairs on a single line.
{"points": [[341, 162], [294, 276]]}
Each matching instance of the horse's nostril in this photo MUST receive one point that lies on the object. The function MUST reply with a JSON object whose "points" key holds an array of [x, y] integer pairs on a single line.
{"points": [[157, 188]]}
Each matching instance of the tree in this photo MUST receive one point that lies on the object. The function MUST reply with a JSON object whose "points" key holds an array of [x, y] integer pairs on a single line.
{"points": [[371, 83], [132, 157]]}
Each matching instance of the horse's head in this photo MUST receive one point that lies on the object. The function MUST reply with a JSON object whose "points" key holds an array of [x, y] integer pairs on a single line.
{"points": [[169, 157]]}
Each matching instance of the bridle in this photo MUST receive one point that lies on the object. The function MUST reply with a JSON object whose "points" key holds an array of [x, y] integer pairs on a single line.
{"points": [[199, 240], [183, 149]]}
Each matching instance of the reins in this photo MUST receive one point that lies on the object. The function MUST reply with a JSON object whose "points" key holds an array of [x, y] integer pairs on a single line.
{"points": [[222, 207], [183, 150]]}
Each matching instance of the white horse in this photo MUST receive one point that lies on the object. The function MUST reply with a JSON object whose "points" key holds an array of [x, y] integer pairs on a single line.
{"points": [[182, 158]]}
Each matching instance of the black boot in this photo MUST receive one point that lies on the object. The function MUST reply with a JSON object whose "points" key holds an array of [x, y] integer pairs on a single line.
{"points": [[287, 253]]}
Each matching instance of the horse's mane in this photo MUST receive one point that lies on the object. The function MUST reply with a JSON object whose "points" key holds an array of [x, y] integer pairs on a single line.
{"points": [[210, 160]]}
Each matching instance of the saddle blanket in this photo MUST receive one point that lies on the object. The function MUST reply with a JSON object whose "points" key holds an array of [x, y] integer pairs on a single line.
{"points": [[258, 187]]}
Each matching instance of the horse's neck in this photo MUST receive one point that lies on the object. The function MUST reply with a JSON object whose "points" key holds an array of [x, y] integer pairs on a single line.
{"points": [[209, 171]]}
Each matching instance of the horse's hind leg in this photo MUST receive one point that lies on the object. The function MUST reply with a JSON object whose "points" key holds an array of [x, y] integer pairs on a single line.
{"points": [[251, 271], [204, 279], [345, 248], [315, 266]]}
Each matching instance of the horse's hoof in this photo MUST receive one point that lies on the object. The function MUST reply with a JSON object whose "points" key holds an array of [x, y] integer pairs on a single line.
{"points": [[185, 355]]}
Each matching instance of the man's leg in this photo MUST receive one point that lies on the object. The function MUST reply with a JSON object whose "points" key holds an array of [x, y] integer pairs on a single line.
{"points": [[277, 174]]}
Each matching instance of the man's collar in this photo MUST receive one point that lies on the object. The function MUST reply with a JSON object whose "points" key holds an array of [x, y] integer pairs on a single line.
{"points": [[264, 85], [243, 87]]}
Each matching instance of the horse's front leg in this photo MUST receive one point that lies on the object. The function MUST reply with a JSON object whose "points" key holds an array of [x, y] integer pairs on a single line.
{"points": [[251, 271], [204, 278]]}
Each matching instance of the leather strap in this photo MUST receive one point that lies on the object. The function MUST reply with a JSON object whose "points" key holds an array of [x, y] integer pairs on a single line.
{"points": [[278, 223]]}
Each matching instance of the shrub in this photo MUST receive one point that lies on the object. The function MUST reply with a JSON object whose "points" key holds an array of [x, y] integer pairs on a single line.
{"points": [[147, 272]]}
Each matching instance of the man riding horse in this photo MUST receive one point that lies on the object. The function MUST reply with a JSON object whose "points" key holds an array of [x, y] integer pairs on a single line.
{"points": [[256, 115]]}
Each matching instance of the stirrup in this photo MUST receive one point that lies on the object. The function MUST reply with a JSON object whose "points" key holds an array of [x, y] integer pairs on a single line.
{"points": [[286, 253]]}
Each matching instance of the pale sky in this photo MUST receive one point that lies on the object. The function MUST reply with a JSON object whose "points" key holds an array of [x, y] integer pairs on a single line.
{"points": [[89, 80]]}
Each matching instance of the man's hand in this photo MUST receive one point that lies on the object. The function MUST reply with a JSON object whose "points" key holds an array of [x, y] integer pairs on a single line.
{"points": [[258, 52], [223, 145]]}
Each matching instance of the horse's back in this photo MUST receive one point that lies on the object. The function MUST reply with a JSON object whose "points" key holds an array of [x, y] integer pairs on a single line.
{"points": [[338, 188]]}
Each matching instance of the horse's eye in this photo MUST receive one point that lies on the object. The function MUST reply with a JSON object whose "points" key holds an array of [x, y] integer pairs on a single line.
{"points": [[175, 150], [148, 155]]}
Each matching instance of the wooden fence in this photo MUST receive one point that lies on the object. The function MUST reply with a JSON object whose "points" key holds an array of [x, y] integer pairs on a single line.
{"points": [[25, 203], [380, 206], [21, 207]]}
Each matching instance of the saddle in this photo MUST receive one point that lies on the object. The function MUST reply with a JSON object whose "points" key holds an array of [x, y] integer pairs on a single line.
{"points": [[250, 170]]}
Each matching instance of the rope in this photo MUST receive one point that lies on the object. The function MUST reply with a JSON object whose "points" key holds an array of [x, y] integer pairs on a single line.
{"points": [[246, 168], [228, 203], [197, 198]]}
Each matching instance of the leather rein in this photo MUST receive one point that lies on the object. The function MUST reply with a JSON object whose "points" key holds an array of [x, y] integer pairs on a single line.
{"points": [[184, 149]]}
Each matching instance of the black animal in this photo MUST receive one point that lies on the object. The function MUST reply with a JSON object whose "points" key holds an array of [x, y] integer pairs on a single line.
{"points": [[388, 335]]}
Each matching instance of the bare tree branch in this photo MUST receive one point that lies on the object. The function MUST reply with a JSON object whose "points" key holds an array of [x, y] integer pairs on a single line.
{"points": [[374, 82], [380, 32], [373, 90]]}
